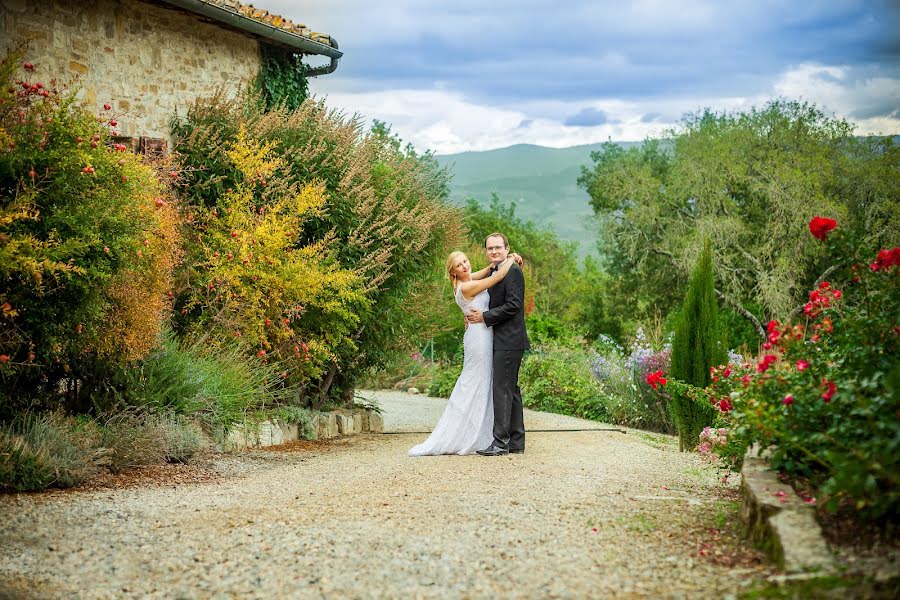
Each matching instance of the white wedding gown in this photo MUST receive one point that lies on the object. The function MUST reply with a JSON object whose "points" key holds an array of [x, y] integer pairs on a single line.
{"points": [[468, 421]]}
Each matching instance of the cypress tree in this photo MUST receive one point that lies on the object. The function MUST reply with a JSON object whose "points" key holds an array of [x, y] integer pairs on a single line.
{"points": [[697, 346]]}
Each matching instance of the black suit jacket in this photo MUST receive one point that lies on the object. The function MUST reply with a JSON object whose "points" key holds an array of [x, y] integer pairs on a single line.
{"points": [[506, 314]]}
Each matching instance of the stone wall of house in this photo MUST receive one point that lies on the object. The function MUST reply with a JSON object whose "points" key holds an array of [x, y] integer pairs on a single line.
{"points": [[146, 60]]}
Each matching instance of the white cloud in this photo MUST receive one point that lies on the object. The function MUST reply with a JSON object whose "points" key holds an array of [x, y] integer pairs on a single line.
{"points": [[835, 88], [445, 121]]}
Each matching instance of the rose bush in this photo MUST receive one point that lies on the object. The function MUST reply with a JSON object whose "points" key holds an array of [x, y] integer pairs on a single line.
{"points": [[825, 396]]}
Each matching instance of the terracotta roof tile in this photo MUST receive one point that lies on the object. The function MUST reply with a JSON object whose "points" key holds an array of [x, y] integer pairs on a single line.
{"points": [[264, 16]]}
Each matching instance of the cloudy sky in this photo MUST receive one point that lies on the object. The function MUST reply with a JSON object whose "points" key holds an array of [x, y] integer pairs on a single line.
{"points": [[473, 75]]}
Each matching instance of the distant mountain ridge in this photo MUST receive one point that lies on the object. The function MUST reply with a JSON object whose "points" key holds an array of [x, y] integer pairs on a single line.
{"points": [[541, 181]]}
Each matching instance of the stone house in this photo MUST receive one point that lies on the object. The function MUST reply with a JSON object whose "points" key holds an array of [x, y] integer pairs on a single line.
{"points": [[151, 58]]}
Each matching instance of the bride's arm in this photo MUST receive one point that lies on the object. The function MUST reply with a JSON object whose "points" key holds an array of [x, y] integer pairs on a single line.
{"points": [[487, 270], [482, 273], [472, 288]]}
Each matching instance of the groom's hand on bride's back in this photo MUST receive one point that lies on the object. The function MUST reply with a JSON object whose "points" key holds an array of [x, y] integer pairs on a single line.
{"points": [[474, 316]]}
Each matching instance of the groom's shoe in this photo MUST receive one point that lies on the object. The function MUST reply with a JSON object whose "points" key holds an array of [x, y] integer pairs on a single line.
{"points": [[517, 450], [492, 450]]}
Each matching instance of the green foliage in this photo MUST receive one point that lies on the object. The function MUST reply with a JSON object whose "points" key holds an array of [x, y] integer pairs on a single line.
{"points": [[747, 181], [218, 386], [696, 347], [181, 438], [52, 450], [445, 377], [303, 418], [88, 242], [281, 81], [594, 311], [558, 379], [548, 329], [551, 266]]}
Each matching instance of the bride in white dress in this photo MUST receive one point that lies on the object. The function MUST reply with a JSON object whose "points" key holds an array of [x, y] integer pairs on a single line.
{"points": [[468, 421]]}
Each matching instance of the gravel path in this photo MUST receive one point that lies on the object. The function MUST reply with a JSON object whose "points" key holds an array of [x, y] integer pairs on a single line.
{"points": [[581, 514]]}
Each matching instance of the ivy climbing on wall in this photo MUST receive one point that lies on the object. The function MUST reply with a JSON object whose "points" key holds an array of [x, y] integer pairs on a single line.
{"points": [[281, 79]]}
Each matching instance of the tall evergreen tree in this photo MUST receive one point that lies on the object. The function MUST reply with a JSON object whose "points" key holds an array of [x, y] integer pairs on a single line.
{"points": [[697, 346]]}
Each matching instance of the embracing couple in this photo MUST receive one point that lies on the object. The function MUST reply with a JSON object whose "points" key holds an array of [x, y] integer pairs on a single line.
{"points": [[484, 413]]}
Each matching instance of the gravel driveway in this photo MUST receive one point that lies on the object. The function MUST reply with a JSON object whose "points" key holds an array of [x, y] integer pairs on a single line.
{"points": [[581, 514]]}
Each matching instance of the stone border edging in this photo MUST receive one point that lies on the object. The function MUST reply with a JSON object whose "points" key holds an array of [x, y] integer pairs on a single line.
{"points": [[328, 425], [779, 521]]}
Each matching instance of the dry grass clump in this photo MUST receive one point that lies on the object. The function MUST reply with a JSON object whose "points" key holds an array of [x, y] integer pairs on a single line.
{"points": [[45, 450]]}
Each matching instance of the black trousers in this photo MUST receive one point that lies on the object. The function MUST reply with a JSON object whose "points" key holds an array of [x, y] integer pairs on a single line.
{"points": [[509, 420]]}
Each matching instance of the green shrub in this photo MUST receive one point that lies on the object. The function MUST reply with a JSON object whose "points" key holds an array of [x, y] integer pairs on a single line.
{"points": [[22, 467], [445, 376], [43, 450], [218, 386], [697, 346], [88, 242], [558, 379], [548, 329]]}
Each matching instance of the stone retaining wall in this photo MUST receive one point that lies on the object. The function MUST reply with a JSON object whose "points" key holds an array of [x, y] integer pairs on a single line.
{"points": [[328, 425], [779, 521]]}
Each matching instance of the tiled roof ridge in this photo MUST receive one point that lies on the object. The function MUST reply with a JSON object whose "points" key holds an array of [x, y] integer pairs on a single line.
{"points": [[264, 16]]}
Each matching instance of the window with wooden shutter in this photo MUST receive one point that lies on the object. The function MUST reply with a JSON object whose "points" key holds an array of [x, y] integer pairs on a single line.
{"points": [[153, 148]]}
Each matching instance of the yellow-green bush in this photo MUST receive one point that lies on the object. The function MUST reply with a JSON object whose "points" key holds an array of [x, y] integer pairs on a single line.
{"points": [[358, 252]]}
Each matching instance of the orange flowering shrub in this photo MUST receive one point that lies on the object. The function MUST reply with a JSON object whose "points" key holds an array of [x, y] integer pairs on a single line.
{"points": [[88, 241]]}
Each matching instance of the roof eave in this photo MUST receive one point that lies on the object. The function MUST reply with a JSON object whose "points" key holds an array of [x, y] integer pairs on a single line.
{"points": [[258, 28]]}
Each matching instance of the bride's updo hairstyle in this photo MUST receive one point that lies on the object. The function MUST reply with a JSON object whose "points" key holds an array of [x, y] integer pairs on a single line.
{"points": [[451, 262]]}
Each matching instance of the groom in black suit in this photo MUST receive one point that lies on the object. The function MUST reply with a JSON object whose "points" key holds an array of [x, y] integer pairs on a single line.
{"points": [[506, 317]]}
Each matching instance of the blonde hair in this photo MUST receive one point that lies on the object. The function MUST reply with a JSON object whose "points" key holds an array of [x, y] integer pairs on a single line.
{"points": [[451, 262]]}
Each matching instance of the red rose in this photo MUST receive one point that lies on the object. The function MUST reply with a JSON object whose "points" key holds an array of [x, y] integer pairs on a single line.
{"points": [[802, 365], [766, 362], [886, 258], [819, 227], [788, 400], [656, 378], [830, 389], [725, 405]]}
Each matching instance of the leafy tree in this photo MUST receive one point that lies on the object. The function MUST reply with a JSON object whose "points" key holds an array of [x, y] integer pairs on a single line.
{"points": [[747, 181], [697, 346]]}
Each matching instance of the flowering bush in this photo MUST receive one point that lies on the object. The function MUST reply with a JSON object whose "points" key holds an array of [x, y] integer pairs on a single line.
{"points": [[630, 399], [825, 395], [88, 242], [367, 244]]}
